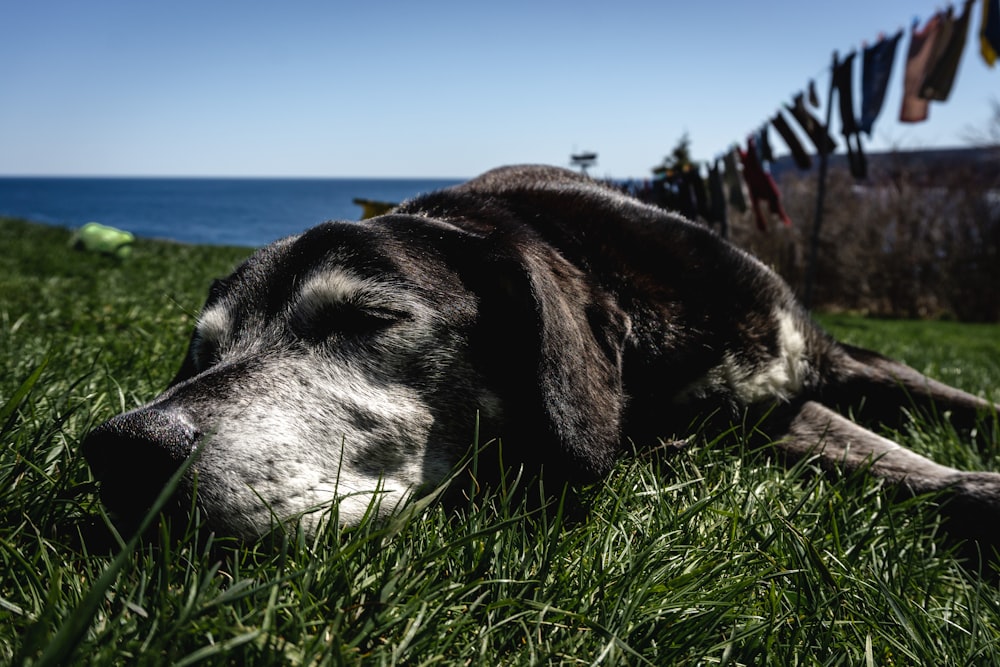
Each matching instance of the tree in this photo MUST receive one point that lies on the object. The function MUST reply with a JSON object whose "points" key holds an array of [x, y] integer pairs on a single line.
{"points": [[680, 156], [988, 136]]}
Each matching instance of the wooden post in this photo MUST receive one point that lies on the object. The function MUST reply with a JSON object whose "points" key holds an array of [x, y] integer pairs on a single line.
{"points": [[820, 196]]}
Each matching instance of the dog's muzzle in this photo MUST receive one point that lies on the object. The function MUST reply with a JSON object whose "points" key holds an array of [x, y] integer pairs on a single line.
{"points": [[134, 454]]}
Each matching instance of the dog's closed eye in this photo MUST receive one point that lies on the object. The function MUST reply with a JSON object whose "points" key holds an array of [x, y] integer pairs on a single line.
{"points": [[342, 319], [337, 303]]}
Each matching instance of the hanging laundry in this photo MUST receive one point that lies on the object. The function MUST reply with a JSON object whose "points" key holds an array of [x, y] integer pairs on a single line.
{"points": [[937, 85], [802, 159], [764, 145], [814, 129], [689, 192], [914, 108], [843, 82], [989, 33], [681, 190], [692, 176], [717, 213], [683, 196], [875, 71], [944, 32], [734, 181], [813, 97], [686, 205], [761, 186]]}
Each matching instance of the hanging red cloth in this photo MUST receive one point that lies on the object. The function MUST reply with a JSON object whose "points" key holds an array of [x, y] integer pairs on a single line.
{"points": [[762, 187]]}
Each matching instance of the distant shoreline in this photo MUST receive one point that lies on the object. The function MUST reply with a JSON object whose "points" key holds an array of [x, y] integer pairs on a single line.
{"points": [[248, 212]]}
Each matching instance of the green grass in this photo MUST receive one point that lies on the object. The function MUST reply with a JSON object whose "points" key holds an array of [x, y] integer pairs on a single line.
{"points": [[696, 558]]}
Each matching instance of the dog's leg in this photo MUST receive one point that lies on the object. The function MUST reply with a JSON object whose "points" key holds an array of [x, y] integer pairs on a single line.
{"points": [[815, 430], [878, 389], [971, 500]]}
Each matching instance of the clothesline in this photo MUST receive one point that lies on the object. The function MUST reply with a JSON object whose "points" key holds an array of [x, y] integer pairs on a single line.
{"points": [[932, 60], [820, 72]]}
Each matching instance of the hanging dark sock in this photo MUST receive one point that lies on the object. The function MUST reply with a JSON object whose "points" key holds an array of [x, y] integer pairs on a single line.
{"points": [[813, 97], [842, 80], [764, 144], [814, 129], [717, 200], [802, 159]]}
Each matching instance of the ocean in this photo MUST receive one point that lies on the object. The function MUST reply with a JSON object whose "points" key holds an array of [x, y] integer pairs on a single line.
{"points": [[219, 211]]}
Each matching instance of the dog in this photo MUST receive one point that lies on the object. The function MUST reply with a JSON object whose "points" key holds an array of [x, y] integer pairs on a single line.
{"points": [[352, 364]]}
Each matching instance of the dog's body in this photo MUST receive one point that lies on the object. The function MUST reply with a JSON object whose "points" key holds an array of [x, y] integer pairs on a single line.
{"points": [[353, 360]]}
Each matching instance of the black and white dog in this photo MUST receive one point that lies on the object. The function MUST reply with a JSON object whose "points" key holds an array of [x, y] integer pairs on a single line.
{"points": [[352, 361]]}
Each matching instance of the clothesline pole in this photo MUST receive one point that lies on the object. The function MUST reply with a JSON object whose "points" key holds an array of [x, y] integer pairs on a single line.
{"points": [[820, 196]]}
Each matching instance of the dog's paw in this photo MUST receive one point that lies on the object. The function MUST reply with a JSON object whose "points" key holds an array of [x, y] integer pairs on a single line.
{"points": [[978, 489], [971, 507]]}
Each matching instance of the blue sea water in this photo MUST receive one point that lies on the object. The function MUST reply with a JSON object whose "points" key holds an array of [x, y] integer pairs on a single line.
{"points": [[220, 211]]}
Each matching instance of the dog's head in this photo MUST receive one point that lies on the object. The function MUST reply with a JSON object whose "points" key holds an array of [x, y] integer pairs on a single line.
{"points": [[350, 363]]}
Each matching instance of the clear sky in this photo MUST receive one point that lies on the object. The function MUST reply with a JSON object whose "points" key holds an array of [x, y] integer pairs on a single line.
{"points": [[432, 88]]}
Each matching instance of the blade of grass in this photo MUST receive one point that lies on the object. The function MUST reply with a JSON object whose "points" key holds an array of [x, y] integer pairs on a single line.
{"points": [[74, 626]]}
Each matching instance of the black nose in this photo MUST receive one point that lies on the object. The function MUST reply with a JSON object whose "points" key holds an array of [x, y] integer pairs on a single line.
{"points": [[134, 454]]}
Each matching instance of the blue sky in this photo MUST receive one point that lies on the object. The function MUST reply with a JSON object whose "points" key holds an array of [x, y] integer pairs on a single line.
{"points": [[432, 88]]}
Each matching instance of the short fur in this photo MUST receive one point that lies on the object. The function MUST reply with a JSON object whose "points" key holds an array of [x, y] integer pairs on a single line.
{"points": [[352, 361]]}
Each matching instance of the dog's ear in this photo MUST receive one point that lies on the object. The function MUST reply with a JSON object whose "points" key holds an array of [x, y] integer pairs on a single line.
{"points": [[553, 344], [189, 367]]}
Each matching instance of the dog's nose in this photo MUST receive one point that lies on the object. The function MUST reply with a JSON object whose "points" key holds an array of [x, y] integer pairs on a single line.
{"points": [[134, 454]]}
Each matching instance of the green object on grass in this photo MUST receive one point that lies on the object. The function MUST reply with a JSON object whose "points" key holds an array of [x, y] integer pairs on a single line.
{"points": [[96, 237]]}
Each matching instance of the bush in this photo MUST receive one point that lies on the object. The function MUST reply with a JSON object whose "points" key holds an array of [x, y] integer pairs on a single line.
{"points": [[916, 241]]}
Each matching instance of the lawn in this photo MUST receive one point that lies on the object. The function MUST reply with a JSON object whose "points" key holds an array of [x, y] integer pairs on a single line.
{"points": [[695, 558]]}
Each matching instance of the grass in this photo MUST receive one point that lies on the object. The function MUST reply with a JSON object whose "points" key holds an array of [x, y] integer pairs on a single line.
{"points": [[696, 558]]}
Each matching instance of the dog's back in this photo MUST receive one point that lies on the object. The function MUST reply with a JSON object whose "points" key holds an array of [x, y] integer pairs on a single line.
{"points": [[710, 328]]}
